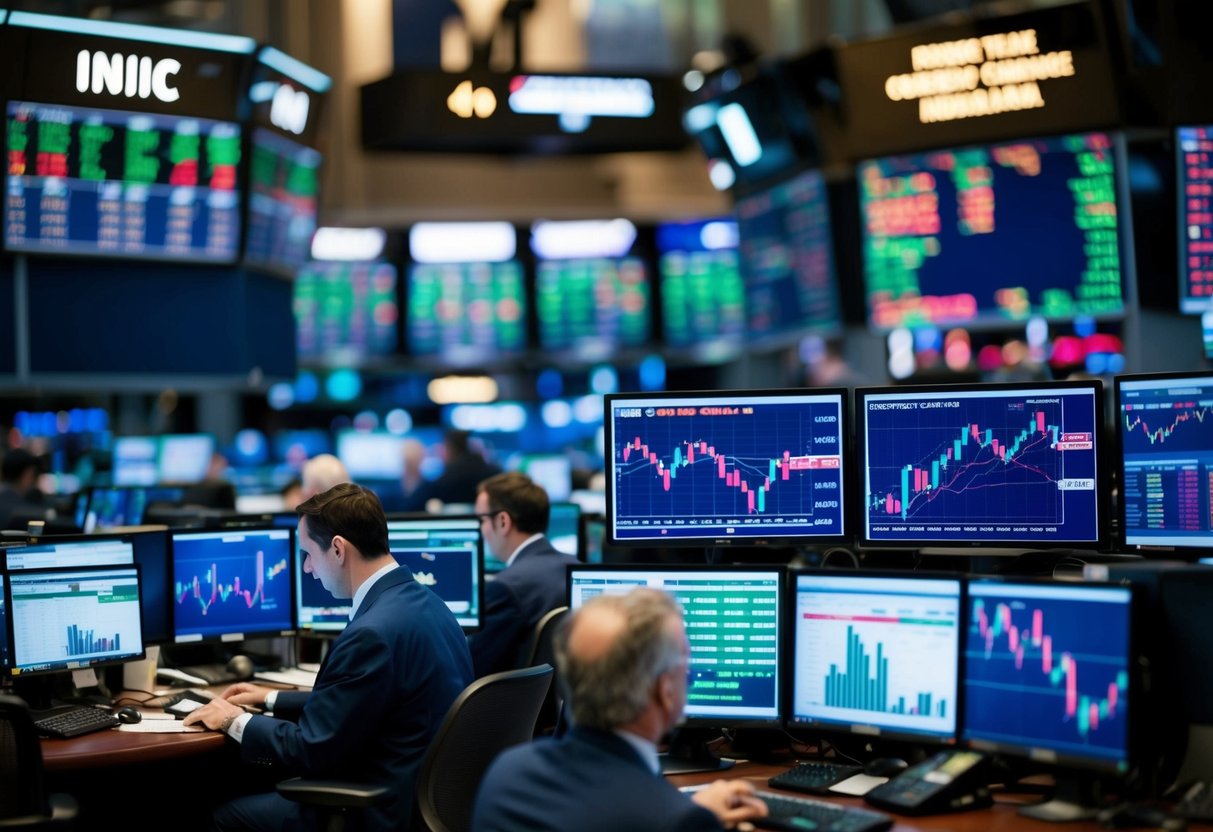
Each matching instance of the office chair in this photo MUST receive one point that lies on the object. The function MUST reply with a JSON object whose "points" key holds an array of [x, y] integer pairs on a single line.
{"points": [[492, 714], [24, 802], [543, 651]]}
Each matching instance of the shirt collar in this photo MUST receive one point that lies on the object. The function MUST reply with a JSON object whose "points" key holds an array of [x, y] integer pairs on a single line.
{"points": [[646, 749], [360, 595], [522, 546]]}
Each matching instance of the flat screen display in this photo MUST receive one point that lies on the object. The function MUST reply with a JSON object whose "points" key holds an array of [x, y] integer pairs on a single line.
{"points": [[716, 467], [65, 619], [592, 305], [106, 182], [466, 312], [284, 179], [1047, 672], [231, 585], [787, 259], [1194, 160], [346, 310], [732, 617], [992, 234], [983, 464], [1166, 460], [371, 456], [702, 293], [877, 655]]}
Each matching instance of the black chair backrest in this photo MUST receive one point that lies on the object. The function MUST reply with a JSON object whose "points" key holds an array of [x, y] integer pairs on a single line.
{"points": [[24, 802], [543, 651], [492, 714]]}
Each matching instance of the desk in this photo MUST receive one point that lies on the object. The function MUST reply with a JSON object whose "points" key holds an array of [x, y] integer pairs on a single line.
{"points": [[116, 748], [998, 818]]}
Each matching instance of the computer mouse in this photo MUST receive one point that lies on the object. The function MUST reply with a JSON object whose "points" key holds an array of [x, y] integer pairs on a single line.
{"points": [[128, 715], [240, 666], [885, 767]]}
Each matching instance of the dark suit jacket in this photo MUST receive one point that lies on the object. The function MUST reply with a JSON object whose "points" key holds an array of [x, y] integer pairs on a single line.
{"points": [[591, 781], [514, 601], [380, 696]]}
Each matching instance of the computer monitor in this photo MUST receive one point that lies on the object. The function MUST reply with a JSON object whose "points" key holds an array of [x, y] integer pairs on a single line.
{"points": [[1015, 465], [1166, 457], [1048, 670], [112, 506], [73, 618], [443, 553], [466, 313], [6, 660], [551, 472], [787, 260], [702, 293], [232, 585], [733, 618], [877, 655], [135, 460], [148, 549], [996, 233], [564, 528], [1194, 167], [594, 535], [185, 457], [726, 467], [371, 455]]}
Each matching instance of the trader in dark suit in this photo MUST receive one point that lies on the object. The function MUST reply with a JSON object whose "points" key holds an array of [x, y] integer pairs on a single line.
{"points": [[624, 659], [513, 514], [382, 691]]}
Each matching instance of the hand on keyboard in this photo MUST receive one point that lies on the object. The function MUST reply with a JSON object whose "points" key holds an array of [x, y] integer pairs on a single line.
{"points": [[731, 801]]}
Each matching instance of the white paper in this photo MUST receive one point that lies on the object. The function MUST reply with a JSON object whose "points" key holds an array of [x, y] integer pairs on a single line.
{"points": [[160, 726], [859, 784]]}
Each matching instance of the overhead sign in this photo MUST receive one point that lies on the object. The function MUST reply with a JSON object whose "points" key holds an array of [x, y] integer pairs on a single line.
{"points": [[1036, 73], [489, 112], [286, 94]]}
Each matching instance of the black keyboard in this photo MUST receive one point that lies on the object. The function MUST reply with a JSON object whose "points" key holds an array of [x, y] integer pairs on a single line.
{"points": [[801, 813], [813, 777], [72, 721]]}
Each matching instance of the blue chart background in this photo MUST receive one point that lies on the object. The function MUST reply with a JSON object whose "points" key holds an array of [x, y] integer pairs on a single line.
{"points": [[1190, 436], [697, 493], [451, 568], [1095, 633], [896, 438], [194, 557]]}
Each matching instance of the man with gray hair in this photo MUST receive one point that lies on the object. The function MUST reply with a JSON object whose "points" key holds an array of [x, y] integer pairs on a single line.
{"points": [[320, 473], [624, 660]]}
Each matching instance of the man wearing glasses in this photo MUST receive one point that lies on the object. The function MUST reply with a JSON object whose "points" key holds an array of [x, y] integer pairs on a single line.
{"points": [[513, 514]]}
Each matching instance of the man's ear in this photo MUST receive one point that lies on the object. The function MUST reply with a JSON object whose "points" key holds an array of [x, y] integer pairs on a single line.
{"points": [[340, 548]]}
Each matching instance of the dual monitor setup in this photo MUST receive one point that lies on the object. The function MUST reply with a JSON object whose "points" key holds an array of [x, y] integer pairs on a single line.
{"points": [[1037, 670], [978, 466]]}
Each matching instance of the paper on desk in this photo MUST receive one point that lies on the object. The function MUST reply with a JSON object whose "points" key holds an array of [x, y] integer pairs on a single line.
{"points": [[160, 726], [858, 785]]}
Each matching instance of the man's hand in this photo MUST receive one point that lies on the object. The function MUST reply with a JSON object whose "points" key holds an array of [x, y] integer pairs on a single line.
{"points": [[242, 693], [213, 714], [731, 801]]}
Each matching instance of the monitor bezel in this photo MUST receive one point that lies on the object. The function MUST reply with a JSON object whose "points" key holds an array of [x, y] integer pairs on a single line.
{"points": [[14, 671], [226, 638], [845, 468], [1047, 757], [1102, 471], [835, 727], [781, 634]]}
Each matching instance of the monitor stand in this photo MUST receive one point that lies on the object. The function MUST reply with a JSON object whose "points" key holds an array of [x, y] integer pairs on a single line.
{"points": [[689, 753], [1072, 800]]}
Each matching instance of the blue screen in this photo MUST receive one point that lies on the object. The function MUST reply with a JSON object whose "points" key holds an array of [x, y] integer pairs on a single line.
{"points": [[993, 234], [1047, 672], [733, 624], [877, 654], [981, 463], [231, 584], [702, 293], [5, 660], [733, 465], [1167, 457]]}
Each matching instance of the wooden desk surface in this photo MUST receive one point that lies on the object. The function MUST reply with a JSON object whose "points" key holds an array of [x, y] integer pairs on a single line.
{"points": [[1001, 817], [115, 748]]}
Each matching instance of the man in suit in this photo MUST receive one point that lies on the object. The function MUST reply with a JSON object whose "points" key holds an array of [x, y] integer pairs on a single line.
{"points": [[513, 514], [624, 660], [464, 468], [382, 691]]}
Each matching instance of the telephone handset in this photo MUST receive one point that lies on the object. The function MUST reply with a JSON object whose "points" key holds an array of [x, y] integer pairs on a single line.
{"points": [[950, 781]]}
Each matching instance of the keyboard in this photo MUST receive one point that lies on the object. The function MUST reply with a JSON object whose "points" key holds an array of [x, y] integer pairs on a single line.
{"points": [[72, 721], [795, 814], [813, 777]]}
